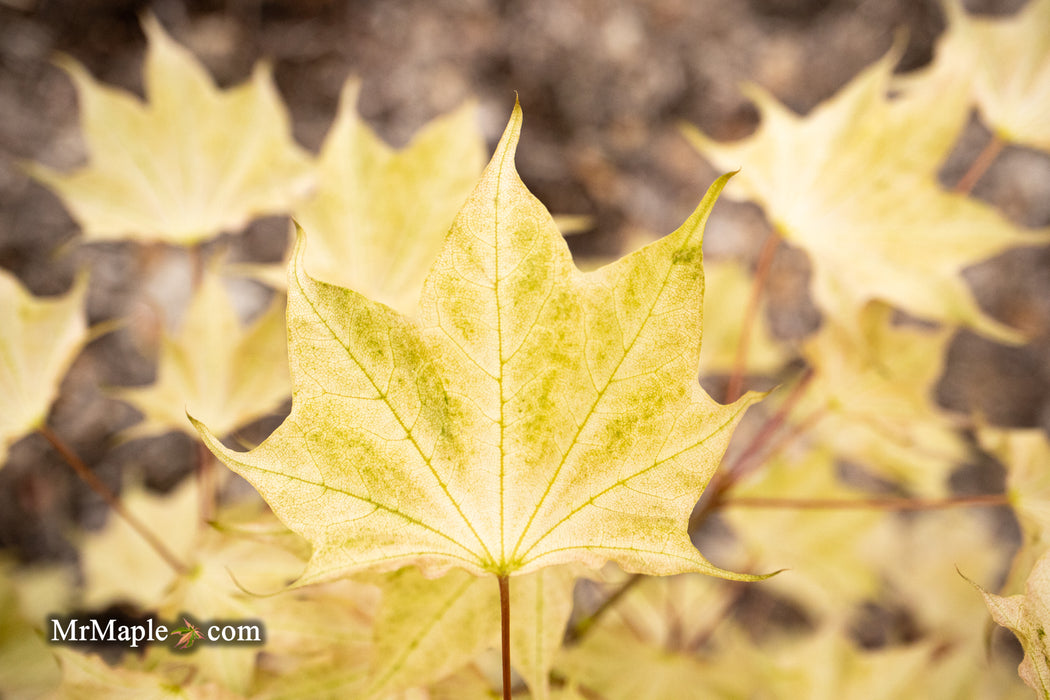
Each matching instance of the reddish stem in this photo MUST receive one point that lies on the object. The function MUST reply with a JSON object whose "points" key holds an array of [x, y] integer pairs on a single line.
{"points": [[765, 260], [504, 619], [91, 479], [997, 499], [772, 425], [980, 165]]}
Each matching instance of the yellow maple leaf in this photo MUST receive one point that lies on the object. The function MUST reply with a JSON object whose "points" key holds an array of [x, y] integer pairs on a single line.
{"points": [[873, 389], [192, 162], [39, 341], [727, 291], [823, 550], [1025, 453], [534, 415], [380, 215], [120, 566], [88, 676], [1007, 61], [854, 184], [426, 629], [216, 367], [1028, 616]]}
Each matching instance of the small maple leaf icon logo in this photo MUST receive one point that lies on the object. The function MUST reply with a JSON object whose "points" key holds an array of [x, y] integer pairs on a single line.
{"points": [[189, 635]]}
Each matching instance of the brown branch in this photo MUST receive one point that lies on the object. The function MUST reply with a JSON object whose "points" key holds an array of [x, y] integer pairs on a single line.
{"points": [[980, 165], [765, 261], [91, 479], [997, 499]]}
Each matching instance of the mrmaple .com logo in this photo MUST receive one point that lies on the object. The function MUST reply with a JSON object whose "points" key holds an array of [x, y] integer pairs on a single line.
{"points": [[75, 630]]}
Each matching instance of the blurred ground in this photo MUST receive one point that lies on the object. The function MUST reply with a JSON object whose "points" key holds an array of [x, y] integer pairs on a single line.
{"points": [[603, 85]]}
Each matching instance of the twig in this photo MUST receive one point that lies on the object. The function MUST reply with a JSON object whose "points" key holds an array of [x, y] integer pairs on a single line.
{"points": [[91, 479], [585, 625], [980, 165], [723, 481], [765, 261], [997, 499], [737, 469]]}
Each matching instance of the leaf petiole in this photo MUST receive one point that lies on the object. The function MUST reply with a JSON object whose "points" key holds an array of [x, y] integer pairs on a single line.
{"points": [[91, 479]]}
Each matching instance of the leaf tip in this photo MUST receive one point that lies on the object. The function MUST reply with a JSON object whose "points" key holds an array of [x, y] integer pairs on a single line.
{"points": [[508, 143], [297, 261]]}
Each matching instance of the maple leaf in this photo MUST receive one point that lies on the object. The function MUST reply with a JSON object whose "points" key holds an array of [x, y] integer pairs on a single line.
{"points": [[222, 371], [189, 164], [119, 565], [727, 291], [534, 415], [40, 339], [428, 628], [873, 390], [1025, 454], [925, 578], [1027, 616], [27, 667], [88, 676], [854, 184], [380, 215], [830, 666], [825, 551], [188, 634], [648, 645], [1007, 61]]}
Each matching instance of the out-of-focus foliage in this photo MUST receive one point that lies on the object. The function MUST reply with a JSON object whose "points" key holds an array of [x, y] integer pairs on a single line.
{"points": [[215, 367], [727, 289], [1008, 62], [380, 215], [190, 163], [39, 340], [872, 399], [854, 184], [526, 415]]}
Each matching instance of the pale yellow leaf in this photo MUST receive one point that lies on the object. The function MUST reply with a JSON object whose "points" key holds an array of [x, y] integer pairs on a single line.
{"points": [[215, 367], [1007, 61], [920, 556], [190, 163], [380, 215], [1026, 455], [618, 666], [40, 338], [727, 293], [823, 550], [119, 565], [87, 677], [829, 666], [1028, 617], [429, 628], [426, 629], [872, 399], [534, 416], [854, 184], [27, 667]]}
